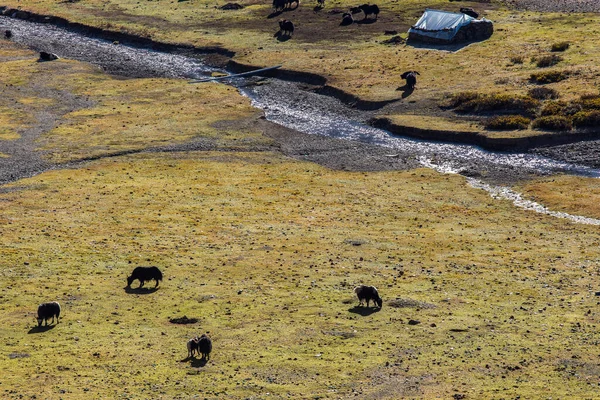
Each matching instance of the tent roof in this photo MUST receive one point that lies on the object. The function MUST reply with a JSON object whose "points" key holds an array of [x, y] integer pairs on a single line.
{"points": [[440, 24]]}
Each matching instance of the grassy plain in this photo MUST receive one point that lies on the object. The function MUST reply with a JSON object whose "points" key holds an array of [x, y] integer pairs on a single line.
{"points": [[265, 251]]}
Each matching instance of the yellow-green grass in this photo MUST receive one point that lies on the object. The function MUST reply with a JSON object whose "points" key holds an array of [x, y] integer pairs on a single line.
{"points": [[265, 252], [142, 113], [575, 195], [96, 115]]}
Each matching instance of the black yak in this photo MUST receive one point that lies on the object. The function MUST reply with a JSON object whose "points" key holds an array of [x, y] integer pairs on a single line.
{"points": [[347, 19], [368, 293], [7, 34], [279, 5], [205, 346], [470, 12], [320, 3], [192, 347], [286, 27], [45, 56], [47, 311], [369, 9], [144, 274], [411, 78]]}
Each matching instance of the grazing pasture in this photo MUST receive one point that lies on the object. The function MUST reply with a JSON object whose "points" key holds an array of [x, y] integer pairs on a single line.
{"points": [[481, 299]]}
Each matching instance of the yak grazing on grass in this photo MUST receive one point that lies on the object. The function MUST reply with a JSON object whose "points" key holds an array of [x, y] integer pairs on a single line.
{"points": [[47, 311], [192, 347], [369, 9], [368, 293], [205, 346], [144, 274], [286, 27]]}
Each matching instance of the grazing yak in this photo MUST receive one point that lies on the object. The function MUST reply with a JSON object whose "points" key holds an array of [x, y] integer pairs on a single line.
{"points": [[470, 12], [144, 274], [368, 9], [320, 3], [205, 346], [192, 347], [45, 56], [347, 19], [411, 78], [280, 5], [286, 27], [367, 293], [47, 311]]}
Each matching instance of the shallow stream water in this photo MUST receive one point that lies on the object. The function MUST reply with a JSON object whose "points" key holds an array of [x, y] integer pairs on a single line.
{"points": [[308, 112]]}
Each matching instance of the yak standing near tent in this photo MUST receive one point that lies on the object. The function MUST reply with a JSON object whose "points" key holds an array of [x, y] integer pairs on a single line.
{"points": [[411, 79]]}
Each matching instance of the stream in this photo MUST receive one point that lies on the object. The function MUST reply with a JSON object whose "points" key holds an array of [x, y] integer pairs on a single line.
{"points": [[285, 103]]}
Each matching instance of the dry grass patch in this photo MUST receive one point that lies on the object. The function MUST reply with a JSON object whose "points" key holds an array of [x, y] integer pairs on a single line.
{"points": [[574, 195]]}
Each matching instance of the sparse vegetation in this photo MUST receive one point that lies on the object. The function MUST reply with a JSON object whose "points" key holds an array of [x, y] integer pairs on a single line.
{"points": [[546, 77], [553, 123], [508, 122], [560, 46], [546, 61], [498, 103], [543, 93], [587, 119], [517, 59]]}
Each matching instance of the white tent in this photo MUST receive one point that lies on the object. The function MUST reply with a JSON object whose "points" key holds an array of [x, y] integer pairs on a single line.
{"points": [[440, 25]]}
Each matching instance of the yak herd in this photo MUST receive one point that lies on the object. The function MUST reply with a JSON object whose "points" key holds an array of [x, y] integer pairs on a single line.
{"points": [[286, 27], [198, 345]]}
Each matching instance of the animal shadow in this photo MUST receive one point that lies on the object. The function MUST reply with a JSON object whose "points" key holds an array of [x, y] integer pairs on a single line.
{"points": [[198, 363], [364, 311], [281, 37], [275, 14], [40, 329], [406, 91], [366, 21], [140, 290], [195, 362], [317, 8]]}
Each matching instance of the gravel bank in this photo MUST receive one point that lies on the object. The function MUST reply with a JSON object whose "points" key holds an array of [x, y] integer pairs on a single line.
{"points": [[582, 6]]}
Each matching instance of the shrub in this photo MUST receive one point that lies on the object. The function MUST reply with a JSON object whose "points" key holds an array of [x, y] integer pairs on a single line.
{"points": [[553, 108], [507, 122], [543, 93], [560, 46], [587, 119], [459, 98], [553, 123], [590, 102], [548, 77], [547, 61], [502, 103], [517, 59]]}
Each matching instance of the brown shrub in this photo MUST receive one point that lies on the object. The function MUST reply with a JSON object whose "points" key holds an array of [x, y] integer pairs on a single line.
{"points": [[560, 46], [547, 60], [507, 123], [543, 93], [500, 103], [587, 119], [548, 77], [553, 123]]}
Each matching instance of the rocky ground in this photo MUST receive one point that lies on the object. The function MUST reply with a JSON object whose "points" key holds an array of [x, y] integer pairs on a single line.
{"points": [[557, 5]]}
